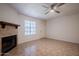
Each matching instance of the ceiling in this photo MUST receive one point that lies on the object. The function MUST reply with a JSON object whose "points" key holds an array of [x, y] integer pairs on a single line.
{"points": [[36, 10]]}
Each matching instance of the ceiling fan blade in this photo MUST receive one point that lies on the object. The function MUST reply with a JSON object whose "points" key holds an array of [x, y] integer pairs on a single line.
{"points": [[47, 12], [57, 11], [45, 6], [54, 4], [60, 4]]}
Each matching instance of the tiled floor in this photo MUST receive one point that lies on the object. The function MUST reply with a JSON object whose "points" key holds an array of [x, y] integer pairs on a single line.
{"points": [[45, 47]]}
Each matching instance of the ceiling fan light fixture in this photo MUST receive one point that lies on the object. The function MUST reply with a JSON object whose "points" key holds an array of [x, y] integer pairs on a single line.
{"points": [[51, 10]]}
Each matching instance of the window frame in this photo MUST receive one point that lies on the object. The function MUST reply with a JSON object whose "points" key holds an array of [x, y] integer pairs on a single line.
{"points": [[30, 27]]}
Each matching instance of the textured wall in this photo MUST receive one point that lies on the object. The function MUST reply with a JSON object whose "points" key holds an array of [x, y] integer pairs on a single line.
{"points": [[7, 31]]}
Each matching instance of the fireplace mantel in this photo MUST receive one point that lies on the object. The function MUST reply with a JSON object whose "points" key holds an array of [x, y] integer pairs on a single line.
{"points": [[3, 24]]}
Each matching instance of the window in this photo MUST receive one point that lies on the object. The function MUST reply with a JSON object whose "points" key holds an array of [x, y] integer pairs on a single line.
{"points": [[30, 27]]}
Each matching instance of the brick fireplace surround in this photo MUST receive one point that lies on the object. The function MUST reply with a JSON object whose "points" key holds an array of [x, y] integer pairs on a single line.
{"points": [[8, 30]]}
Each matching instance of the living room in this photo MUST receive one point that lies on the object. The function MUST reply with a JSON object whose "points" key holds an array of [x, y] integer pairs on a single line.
{"points": [[39, 31]]}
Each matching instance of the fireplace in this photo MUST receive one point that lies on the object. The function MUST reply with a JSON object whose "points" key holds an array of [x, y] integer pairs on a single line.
{"points": [[8, 43], [8, 36]]}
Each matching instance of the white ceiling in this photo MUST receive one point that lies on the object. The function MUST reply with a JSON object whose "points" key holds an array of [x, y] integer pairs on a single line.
{"points": [[36, 10]]}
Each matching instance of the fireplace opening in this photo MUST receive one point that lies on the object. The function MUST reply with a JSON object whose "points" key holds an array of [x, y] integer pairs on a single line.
{"points": [[9, 43]]}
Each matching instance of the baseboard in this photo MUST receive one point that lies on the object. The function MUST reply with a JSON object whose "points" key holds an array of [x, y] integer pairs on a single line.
{"points": [[31, 40], [48, 38], [63, 41]]}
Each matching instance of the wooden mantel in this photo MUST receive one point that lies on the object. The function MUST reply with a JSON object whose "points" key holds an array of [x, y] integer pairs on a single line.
{"points": [[3, 24]]}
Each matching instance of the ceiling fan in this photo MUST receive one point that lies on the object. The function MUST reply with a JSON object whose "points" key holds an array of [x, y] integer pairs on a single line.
{"points": [[53, 7]]}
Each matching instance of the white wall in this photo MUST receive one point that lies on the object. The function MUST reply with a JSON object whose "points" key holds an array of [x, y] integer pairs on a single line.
{"points": [[64, 28], [40, 29], [10, 15]]}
